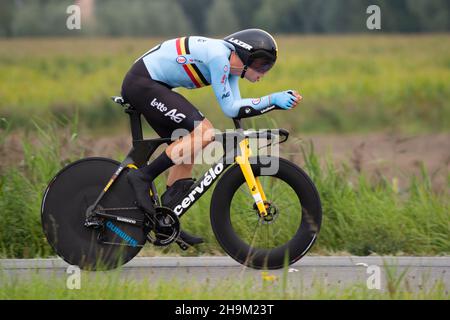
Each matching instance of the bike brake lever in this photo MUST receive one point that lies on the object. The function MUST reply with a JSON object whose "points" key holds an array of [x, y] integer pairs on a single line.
{"points": [[283, 133]]}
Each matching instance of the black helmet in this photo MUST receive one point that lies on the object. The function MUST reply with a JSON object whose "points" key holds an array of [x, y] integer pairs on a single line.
{"points": [[255, 47]]}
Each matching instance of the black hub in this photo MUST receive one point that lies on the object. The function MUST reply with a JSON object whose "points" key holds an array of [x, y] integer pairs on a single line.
{"points": [[272, 212], [93, 221]]}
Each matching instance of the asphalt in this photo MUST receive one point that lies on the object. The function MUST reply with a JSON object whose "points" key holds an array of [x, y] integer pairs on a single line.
{"points": [[331, 271]]}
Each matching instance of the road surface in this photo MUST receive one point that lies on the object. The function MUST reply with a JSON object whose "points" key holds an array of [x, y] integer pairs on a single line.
{"points": [[329, 270]]}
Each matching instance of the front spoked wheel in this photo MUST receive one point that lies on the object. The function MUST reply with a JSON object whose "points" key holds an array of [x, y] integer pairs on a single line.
{"points": [[285, 234]]}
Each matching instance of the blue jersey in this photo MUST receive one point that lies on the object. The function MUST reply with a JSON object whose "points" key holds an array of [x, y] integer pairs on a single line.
{"points": [[194, 62]]}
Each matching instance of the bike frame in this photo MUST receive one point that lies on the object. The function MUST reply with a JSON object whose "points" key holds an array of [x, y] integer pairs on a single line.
{"points": [[143, 149]]}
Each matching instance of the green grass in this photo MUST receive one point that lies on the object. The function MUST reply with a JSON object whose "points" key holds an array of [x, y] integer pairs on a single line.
{"points": [[349, 83], [107, 286], [22, 187], [360, 215], [363, 215]]}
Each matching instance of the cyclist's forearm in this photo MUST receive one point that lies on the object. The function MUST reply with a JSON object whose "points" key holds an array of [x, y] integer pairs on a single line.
{"points": [[231, 109], [255, 103]]}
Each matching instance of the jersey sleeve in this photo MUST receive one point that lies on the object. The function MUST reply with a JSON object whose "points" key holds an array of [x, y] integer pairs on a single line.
{"points": [[234, 85], [226, 89]]}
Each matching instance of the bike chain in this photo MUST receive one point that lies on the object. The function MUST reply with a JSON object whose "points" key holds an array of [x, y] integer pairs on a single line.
{"points": [[183, 245], [117, 209]]}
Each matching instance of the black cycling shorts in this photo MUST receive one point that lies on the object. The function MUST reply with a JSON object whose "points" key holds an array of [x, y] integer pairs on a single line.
{"points": [[164, 109]]}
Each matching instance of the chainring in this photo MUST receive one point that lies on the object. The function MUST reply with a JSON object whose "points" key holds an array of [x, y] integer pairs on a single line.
{"points": [[165, 227]]}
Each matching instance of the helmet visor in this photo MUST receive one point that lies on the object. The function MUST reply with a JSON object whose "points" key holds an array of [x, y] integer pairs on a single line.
{"points": [[261, 61]]}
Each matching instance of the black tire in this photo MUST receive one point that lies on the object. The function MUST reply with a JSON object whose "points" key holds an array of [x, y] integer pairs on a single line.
{"points": [[304, 207], [63, 213]]}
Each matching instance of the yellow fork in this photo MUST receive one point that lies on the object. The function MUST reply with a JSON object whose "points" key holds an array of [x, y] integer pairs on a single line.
{"points": [[253, 182]]}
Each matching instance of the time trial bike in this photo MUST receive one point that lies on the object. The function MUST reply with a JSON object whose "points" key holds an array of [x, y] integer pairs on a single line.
{"points": [[262, 218]]}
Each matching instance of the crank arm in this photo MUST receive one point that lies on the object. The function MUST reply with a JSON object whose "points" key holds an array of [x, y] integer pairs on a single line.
{"points": [[183, 245]]}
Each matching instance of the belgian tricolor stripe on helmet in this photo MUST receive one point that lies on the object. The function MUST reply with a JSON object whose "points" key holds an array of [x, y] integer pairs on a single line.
{"points": [[191, 69]]}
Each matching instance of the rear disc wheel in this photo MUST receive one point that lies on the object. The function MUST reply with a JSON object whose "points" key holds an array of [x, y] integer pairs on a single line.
{"points": [[63, 215]]}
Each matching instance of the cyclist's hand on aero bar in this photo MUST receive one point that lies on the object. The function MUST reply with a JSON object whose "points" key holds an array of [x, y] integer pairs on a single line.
{"points": [[286, 99]]}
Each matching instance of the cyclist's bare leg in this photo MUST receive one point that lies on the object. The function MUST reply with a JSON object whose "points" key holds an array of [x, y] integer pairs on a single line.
{"points": [[179, 171], [183, 151]]}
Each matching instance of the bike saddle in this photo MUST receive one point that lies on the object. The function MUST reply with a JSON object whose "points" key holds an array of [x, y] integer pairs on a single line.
{"points": [[119, 100]]}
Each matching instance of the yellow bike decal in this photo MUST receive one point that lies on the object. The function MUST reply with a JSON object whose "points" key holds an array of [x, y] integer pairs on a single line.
{"points": [[132, 166]]}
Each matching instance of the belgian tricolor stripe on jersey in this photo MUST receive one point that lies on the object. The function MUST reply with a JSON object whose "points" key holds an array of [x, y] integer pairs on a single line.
{"points": [[191, 69]]}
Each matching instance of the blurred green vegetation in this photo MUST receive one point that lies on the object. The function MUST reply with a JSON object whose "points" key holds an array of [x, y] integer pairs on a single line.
{"points": [[212, 17], [112, 286], [349, 83]]}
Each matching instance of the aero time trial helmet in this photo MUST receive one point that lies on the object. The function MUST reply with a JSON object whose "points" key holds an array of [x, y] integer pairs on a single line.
{"points": [[255, 47]]}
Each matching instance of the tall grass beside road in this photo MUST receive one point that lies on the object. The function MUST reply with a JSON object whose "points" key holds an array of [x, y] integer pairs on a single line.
{"points": [[22, 187], [111, 286], [363, 215], [360, 215]]}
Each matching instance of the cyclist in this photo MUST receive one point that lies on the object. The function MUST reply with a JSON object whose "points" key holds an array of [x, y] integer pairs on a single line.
{"points": [[194, 62]]}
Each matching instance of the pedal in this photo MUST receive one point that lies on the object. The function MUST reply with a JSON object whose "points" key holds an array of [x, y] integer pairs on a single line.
{"points": [[183, 245]]}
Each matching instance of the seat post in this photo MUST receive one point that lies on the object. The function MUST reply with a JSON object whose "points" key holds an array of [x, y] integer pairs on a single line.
{"points": [[135, 123], [237, 123]]}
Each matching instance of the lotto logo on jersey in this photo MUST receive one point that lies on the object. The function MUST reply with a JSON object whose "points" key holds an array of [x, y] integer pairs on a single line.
{"points": [[172, 114], [158, 105]]}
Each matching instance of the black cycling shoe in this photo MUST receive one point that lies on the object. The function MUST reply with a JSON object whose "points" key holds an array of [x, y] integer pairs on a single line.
{"points": [[141, 184], [190, 239], [171, 196], [173, 193]]}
